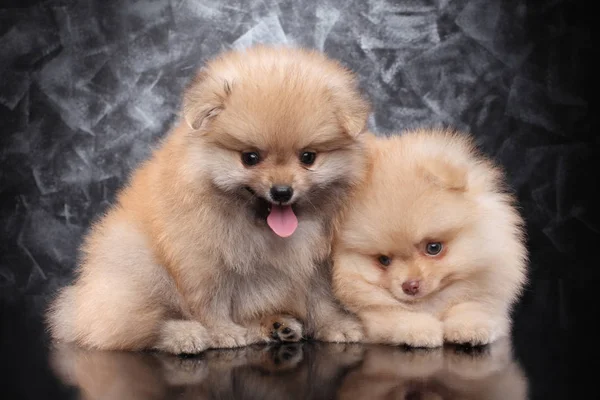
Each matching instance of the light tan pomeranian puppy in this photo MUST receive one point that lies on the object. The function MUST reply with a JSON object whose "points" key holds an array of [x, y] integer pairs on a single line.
{"points": [[432, 247], [223, 237]]}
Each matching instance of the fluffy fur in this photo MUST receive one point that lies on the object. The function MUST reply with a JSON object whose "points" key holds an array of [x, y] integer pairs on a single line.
{"points": [[428, 187], [185, 260]]}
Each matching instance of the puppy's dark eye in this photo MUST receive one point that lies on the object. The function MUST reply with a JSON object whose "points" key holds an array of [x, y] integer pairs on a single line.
{"points": [[433, 248], [250, 158], [384, 260], [308, 157]]}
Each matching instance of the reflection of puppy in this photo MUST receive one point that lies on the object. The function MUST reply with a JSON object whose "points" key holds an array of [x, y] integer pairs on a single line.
{"points": [[436, 374], [390, 372], [230, 220], [432, 247], [288, 371], [296, 371], [489, 373], [109, 375], [281, 371]]}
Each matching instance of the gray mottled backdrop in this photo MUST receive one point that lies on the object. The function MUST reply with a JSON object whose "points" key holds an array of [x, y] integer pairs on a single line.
{"points": [[88, 87]]}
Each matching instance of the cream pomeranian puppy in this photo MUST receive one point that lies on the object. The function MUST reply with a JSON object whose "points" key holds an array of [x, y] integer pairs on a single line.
{"points": [[223, 237], [432, 247]]}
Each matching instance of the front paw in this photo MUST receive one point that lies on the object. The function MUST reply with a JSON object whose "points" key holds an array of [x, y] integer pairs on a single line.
{"points": [[182, 337], [475, 331], [424, 331], [282, 328], [228, 336], [341, 330]]}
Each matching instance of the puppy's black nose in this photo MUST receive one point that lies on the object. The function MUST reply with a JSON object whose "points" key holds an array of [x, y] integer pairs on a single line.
{"points": [[282, 193]]}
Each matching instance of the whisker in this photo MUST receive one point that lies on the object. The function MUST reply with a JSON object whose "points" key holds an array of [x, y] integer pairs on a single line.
{"points": [[311, 203]]}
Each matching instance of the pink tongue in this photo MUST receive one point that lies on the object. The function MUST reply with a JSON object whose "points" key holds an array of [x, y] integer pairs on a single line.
{"points": [[282, 220]]}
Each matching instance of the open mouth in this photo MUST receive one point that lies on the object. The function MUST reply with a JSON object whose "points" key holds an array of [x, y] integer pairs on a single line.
{"points": [[280, 218]]}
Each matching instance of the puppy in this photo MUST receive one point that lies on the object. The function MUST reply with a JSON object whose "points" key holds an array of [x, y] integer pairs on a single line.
{"points": [[432, 247], [222, 238]]}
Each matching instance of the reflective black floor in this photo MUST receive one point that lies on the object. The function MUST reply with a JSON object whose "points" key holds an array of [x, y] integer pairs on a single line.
{"points": [[531, 365], [296, 371], [293, 371]]}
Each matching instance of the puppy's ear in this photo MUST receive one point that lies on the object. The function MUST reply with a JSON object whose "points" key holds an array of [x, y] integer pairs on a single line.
{"points": [[352, 109], [204, 99], [445, 173]]}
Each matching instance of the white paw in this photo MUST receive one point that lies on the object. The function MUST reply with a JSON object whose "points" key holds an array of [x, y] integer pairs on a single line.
{"points": [[425, 331], [475, 332], [183, 337], [343, 329], [228, 336]]}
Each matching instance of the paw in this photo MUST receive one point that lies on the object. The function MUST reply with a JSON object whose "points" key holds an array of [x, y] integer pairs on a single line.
{"points": [[228, 336], [183, 337], [424, 331], [475, 332], [341, 330], [284, 328]]}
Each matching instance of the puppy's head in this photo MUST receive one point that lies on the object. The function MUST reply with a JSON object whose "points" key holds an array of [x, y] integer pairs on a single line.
{"points": [[432, 213], [278, 128]]}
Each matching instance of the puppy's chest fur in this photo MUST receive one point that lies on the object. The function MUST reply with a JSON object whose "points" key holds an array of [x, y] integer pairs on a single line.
{"points": [[267, 273], [247, 245]]}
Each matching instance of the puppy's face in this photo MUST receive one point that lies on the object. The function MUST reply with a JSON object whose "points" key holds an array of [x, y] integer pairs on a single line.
{"points": [[420, 225], [280, 150], [282, 136], [424, 245]]}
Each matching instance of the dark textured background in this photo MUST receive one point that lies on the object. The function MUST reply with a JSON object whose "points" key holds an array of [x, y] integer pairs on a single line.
{"points": [[88, 87]]}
